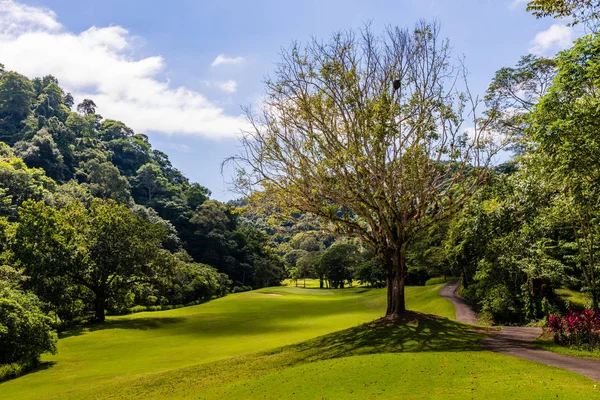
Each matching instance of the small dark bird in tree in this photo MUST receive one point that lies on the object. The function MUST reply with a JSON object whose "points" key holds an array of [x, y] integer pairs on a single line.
{"points": [[396, 84]]}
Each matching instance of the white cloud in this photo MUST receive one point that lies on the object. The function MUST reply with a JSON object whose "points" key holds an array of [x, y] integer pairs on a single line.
{"points": [[229, 86], [97, 64], [16, 17], [222, 59], [557, 37]]}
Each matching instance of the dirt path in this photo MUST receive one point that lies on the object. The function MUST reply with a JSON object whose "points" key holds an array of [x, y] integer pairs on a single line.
{"points": [[518, 341]]}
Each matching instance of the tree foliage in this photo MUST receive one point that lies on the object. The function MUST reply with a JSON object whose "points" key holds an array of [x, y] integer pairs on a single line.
{"points": [[25, 332], [364, 132], [580, 11]]}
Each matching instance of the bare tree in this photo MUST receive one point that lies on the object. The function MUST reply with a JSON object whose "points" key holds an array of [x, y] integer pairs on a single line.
{"points": [[364, 131]]}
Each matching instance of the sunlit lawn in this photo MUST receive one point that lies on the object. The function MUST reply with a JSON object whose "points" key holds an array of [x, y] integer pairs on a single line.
{"points": [[232, 348]]}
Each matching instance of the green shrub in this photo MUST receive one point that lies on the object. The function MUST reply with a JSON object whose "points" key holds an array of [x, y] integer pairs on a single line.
{"points": [[238, 289], [12, 371], [25, 332]]}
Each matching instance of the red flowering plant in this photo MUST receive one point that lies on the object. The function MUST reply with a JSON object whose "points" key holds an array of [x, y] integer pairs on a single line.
{"points": [[579, 329]]}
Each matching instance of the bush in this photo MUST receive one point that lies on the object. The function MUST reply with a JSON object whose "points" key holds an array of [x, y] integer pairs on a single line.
{"points": [[25, 332], [11, 371], [580, 329], [239, 289]]}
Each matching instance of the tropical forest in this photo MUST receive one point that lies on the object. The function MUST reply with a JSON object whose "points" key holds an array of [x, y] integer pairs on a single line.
{"points": [[343, 211]]}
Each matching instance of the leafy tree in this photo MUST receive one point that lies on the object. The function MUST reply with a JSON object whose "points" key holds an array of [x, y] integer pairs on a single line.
{"points": [[42, 152], [310, 263], [291, 258], [291, 262], [16, 96], [371, 272], [103, 248], [105, 181], [306, 241], [86, 107], [50, 102], [340, 261], [564, 126], [81, 126], [513, 93], [364, 132], [19, 183], [129, 154], [196, 194], [150, 180], [580, 11], [25, 332], [111, 130]]}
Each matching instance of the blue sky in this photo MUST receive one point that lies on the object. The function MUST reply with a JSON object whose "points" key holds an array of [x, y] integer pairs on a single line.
{"points": [[180, 71]]}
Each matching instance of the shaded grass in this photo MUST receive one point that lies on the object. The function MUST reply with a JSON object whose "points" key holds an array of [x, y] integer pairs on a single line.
{"points": [[575, 299]]}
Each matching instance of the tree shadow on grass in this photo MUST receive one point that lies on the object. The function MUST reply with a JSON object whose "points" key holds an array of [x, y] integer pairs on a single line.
{"points": [[133, 323], [412, 332]]}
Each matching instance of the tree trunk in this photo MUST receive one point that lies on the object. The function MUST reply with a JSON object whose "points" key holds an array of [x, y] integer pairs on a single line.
{"points": [[99, 304], [396, 279], [321, 281]]}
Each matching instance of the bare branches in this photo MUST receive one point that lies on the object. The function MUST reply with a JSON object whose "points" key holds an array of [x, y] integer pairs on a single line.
{"points": [[335, 138]]}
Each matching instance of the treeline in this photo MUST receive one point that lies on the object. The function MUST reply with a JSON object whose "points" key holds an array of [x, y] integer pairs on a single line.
{"points": [[534, 227], [309, 249], [95, 221]]}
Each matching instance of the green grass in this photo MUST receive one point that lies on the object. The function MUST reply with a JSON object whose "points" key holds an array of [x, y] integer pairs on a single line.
{"points": [[549, 345], [289, 342], [441, 279], [576, 299], [131, 346], [420, 357]]}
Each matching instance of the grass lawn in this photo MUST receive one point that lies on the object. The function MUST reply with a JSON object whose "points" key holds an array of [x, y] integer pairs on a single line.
{"points": [[150, 342], [549, 345], [576, 299], [268, 344], [441, 279], [423, 357]]}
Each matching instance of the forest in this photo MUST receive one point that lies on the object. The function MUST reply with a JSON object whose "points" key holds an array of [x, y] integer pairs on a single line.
{"points": [[368, 165]]}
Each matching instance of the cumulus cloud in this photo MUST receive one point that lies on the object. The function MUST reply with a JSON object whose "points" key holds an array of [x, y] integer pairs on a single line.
{"points": [[97, 64], [222, 59], [557, 37]]}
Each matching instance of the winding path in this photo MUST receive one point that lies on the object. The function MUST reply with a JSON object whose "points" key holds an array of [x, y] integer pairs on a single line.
{"points": [[518, 341]]}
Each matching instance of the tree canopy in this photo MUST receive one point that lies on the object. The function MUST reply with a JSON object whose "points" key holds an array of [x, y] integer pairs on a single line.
{"points": [[366, 132]]}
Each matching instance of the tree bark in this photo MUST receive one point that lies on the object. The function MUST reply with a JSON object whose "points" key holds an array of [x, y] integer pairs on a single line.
{"points": [[396, 280], [99, 304]]}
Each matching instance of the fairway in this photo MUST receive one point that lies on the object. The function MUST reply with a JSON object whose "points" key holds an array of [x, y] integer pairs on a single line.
{"points": [[151, 342], [203, 352]]}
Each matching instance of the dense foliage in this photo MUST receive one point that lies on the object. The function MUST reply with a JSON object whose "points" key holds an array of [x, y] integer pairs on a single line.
{"points": [[97, 221], [25, 332]]}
